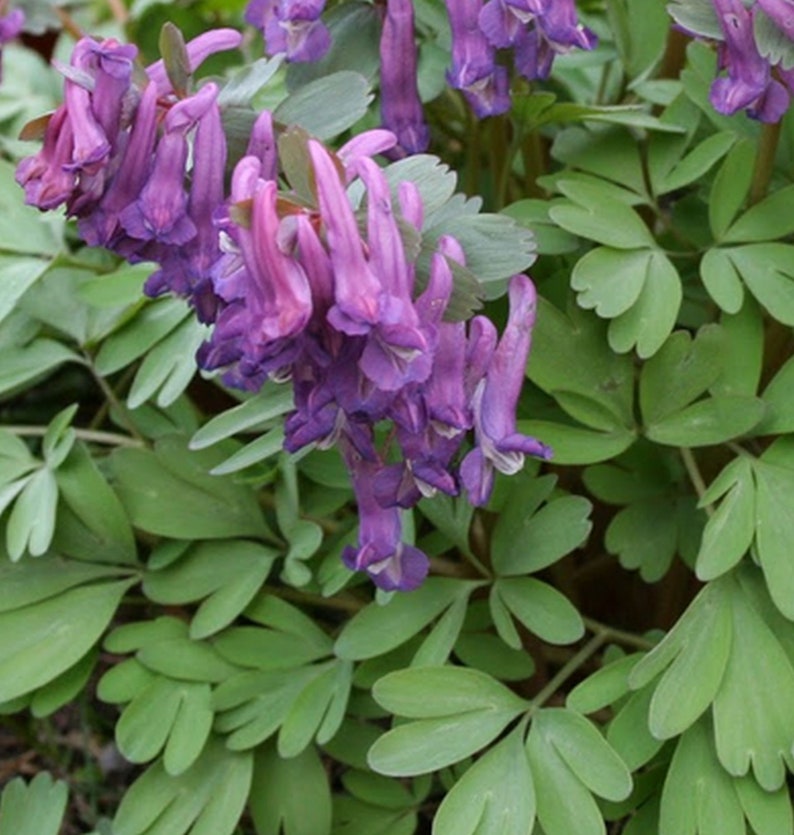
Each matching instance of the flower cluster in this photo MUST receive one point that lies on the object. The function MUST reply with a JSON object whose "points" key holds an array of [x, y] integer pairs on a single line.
{"points": [[308, 297], [116, 154], [760, 84], [294, 289], [535, 31]]}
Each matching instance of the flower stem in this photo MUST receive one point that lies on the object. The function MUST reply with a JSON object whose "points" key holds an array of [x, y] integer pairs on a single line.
{"points": [[91, 436], [694, 475], [586, 652], [764, 161]]}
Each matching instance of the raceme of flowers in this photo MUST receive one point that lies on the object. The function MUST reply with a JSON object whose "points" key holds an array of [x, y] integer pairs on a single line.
{"points": [[296, 291], [759, 84], [534, 30]]}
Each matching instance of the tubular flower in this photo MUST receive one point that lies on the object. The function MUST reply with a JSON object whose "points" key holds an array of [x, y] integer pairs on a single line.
{"points": [[499, 446], [749, 83], [400, 107], [752, 78], [291, 27], [474, 69]]}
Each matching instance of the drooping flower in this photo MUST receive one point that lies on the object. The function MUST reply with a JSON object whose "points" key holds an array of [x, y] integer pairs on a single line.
{"points": [[291, 27], [749, 83], [381, 552], [474, 70], [498, 445]]}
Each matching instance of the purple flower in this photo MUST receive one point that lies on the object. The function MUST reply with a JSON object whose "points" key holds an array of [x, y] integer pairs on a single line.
{"points": [[474, 69], [381, 553], [47, 181], [160, 213], [292, 27], [102, 226], [185, 269], [396, 350], [357, 291], [499, 446], [749, 83], [400, 107]]}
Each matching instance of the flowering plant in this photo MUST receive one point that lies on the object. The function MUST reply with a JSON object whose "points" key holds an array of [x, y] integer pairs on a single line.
{"points": [[395, 415]]}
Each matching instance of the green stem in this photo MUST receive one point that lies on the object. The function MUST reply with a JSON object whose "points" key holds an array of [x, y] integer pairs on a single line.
{"points": [[347, 603], [472, 169], [581, 657], [114, 401], [91, 436], [502, 154], [694, 475], [764, 161], [618, 636], [534, 164]]}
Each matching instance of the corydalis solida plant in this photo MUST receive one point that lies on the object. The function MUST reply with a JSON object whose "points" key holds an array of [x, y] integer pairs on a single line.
{"points": [[294, 290]]}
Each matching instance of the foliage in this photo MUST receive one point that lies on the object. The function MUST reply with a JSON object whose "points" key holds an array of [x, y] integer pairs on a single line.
{"points": [[606, 645]]}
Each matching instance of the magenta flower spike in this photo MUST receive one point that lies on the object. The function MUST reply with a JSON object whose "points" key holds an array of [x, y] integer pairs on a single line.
{"points": [[400, 106], [499, 445], [357, 291], [474, 69]]}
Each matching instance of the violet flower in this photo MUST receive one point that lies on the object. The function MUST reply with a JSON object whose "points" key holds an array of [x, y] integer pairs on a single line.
{"points": [[396, 350], [400, 106], [44, 176], [498, 445], [390, 563], [749, 83], [474, 69], [357, 291], [160, 213], [291, 27]]}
